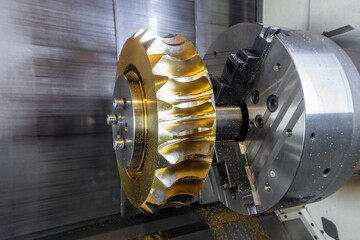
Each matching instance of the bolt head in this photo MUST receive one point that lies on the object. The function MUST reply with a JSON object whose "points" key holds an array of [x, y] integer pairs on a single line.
{"points": [[119, 103], [119, 144], [111, 119]]}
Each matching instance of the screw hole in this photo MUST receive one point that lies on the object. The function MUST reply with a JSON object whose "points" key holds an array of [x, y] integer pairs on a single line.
{"points": [[259, 121], [285, 216], [223, 178], [272, 103], [255, 96], [312, 224], [267, 187], [326, 172], [289, 132], [229, 68], [214, 53], [277, 67], [312, 136]]}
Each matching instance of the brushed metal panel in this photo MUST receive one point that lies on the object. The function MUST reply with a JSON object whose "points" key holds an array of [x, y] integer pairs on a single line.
{"points": [[57, 69], [327, 15], [162, 16], [213, 17]]}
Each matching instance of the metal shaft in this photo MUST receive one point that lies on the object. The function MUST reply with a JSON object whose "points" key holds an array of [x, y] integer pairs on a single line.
{"points": [[228, 123]]}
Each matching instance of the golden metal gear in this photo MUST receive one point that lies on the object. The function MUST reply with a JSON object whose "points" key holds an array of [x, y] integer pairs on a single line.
{"points": [[173, 121]]}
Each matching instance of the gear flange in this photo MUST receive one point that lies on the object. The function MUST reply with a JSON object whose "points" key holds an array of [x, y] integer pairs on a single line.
{"points": [[163, 120]]}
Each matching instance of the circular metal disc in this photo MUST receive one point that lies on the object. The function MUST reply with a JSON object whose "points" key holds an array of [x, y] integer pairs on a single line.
{"points": [[137, 189], [306, 148], [131, 126]]}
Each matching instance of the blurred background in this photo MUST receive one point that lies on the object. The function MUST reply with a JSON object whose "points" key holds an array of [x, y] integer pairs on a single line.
{"points": [[57, 73]]}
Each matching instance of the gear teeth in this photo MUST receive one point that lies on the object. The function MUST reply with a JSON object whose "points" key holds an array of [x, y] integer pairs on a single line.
{"points": [[146, 35], [154, 59], [138, 33], [186, 119], [182, 51], [151, 199], [177, 150], [197, 169], [187, 188], [174, 39], [168, 66], [198, 90], [145, 208]]}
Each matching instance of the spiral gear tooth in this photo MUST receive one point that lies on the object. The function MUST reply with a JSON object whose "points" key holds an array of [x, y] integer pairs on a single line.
{"points": [[145, 35], [186, 119], [168, 66], [138, 33], [187, 188], [198, 90], [187, 169], [190, 155], [177, 150], [174, 39], [182, 51]]}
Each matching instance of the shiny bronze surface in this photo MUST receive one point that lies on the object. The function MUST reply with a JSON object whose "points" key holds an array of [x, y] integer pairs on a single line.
{"points": [[172, 129]]}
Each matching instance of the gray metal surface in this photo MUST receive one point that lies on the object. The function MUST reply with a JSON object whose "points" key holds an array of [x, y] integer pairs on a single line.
{"points": [[304, 152], [228, 122], [349, 42], [213, 17], [161, 16], [331, 145], [315, 16], [341, 209], [58, 62]]}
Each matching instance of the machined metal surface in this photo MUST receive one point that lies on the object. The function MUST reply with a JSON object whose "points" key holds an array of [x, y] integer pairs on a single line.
{"points": [[303, 134], [58, 62], [131, 125], [167, 123], [212, 17], [162, 16], [228, 122]]}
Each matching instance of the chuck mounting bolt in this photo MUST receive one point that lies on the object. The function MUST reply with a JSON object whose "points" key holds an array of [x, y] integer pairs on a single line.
{"points": [[119, 144], [111, 119], [119, 103]]}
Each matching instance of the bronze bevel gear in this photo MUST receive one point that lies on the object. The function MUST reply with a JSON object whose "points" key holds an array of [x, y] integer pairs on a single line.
{"points": [[177, 120]]}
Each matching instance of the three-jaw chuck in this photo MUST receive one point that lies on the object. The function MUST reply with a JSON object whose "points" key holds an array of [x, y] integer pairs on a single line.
{"points": [[277, 106]]}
